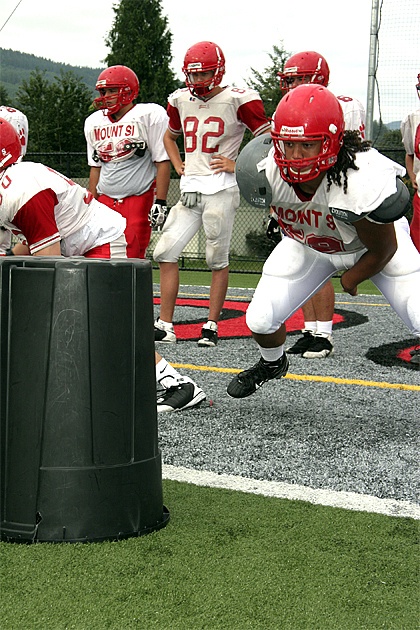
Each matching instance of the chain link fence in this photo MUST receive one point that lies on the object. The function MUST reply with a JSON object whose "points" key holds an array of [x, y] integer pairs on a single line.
{"points": [[249, 246]]}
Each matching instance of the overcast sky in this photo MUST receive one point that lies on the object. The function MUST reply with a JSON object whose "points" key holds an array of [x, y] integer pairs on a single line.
{"points": [[73, 32]]}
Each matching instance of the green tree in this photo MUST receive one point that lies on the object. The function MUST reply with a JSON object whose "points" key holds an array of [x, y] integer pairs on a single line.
{"points": [[4, 96], [56, 112], [267, 82], [141, 40]]}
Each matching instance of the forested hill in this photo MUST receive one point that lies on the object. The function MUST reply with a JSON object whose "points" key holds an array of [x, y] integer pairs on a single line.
{"points": [[16, 67]]}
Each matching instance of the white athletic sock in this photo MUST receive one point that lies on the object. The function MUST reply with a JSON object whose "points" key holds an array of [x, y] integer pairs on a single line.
{"points": [[311, 326], [211, 325], [272, 354], [165, 325], [324, 328], [167, 376]]}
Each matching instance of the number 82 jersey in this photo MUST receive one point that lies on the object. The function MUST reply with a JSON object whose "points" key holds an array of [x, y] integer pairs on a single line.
{"points": [[216, 125]]}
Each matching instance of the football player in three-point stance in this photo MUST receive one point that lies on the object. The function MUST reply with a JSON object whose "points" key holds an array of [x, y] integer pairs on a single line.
{"points": [[57, 217], [311, 67], [213, 119], [339, 203], [129, 167]]}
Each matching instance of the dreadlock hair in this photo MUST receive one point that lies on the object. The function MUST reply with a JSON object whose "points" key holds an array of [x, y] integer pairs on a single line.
{"points": [[352, 144]]}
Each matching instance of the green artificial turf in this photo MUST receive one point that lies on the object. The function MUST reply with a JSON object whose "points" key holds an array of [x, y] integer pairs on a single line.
{"points": [[226, 560]]}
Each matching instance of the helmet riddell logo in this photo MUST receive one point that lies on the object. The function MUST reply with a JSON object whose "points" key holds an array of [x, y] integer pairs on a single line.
{"points": [[292, 131]]}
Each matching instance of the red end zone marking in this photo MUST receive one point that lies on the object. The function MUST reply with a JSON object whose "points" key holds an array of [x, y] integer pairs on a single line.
{"points": [[234, 327], [405, 355]]}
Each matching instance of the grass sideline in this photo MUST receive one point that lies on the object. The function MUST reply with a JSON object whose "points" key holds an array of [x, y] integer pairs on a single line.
{"points": [[250, 281], [226, 560]]}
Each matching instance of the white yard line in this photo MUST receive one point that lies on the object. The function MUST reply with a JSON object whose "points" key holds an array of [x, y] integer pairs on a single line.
{"points": [[280, 490]]}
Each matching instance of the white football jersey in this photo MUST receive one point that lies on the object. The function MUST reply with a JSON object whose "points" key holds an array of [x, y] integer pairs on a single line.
{"points": [[46, 208], [410, 132], [19, 122], [354, 114], [308, 219], [127, 149], [214, 126]]}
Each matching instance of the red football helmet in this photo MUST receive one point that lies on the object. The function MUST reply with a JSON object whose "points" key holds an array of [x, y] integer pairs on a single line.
{"points": [[119, 77], [10, 147], [307, 113], [203, 57], [310, 66]]}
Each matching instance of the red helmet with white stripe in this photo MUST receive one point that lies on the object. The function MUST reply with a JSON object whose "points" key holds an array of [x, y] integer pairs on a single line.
{"points": [[308, 113], [119, 77], [203, 57], [304, 67]]}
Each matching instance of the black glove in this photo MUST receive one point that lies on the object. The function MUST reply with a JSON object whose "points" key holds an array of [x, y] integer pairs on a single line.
{"points": [[158, 213], [273, 231]]}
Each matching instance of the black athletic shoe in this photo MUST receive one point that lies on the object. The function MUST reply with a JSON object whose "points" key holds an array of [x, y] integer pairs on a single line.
{"points": [[208, 338], [179, 397], [302, 344], [247, 382], [320, 348], [164, 334]]}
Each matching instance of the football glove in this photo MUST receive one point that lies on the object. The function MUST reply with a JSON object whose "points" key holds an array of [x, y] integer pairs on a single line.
{"points": [[273, 231], [190, 199], [158, 213]]}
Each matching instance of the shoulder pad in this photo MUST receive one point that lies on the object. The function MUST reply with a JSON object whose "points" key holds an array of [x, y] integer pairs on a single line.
{"points": [[252, 181], [390, 210], [393, 207]]}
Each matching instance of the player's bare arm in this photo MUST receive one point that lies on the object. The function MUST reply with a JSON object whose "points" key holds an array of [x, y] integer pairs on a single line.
{"points": [[169, 141], [409, 164], [381, 244], [163, 176], [95, 171]]}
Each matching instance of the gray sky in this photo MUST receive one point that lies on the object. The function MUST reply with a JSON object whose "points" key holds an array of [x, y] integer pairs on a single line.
{"points": [[73, 32]]}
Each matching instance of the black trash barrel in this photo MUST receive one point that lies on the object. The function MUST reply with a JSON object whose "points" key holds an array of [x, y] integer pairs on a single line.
{"points": [[79, 454]]}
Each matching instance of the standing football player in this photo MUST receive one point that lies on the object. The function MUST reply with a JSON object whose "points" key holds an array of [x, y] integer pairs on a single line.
{"points": [[410, 132], [129, 167], [318, 312], [339, 203], [213, 119]]}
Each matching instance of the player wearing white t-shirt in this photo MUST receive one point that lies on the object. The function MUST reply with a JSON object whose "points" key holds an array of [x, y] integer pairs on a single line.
{"points": [[54, 214], [130, 168], [213, 120], [342, 206], [311, 67]]}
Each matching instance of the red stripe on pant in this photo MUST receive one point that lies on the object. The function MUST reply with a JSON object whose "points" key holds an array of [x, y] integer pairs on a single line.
{"points": [[135, 210]]}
